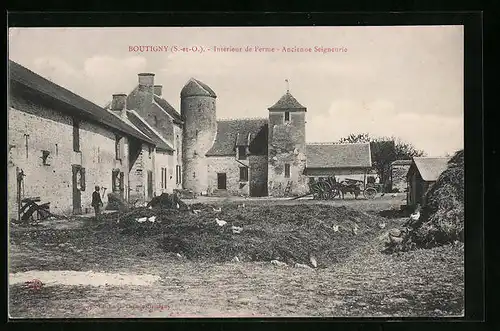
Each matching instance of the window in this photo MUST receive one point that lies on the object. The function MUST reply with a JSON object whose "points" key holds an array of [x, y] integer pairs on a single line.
{"points": [[45, 158], [76, 135], [287, 116], [163, 178], [221, 181], [243, 174], [178, 174], [287, 170], [242, 153], [118, 151], [150, 151], [115, 180]]}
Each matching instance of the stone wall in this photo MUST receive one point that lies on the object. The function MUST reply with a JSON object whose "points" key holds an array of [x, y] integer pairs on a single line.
{"points": [[339, 173], [177, 159], [398, 177], [231, 167], [258, 175], [50, 130], [287, 146], [163, 159], [200, 128], [138, 177]]}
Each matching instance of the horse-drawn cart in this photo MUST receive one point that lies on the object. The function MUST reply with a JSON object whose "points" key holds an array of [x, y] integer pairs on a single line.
{"points": [[329, 188]]}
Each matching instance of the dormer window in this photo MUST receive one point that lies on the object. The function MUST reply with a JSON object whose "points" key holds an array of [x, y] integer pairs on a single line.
{"points": [[242, 153], [287, 116]]}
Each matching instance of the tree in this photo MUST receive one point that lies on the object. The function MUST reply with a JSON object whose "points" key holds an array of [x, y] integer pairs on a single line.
{"points": [[384, 150]]}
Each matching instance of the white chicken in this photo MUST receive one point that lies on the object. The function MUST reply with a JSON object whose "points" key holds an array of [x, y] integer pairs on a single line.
{"points": [[381, 225], [313, 261], [236, 229], [178, 206], [142, 220], [220, 222], [416, 214], [196, 211], [278, 263], [218, 210], [241, 206], [335, 228], [152, 219]]}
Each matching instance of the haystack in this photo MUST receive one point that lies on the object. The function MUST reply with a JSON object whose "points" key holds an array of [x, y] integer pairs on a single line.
{"points": [[442, 217]]}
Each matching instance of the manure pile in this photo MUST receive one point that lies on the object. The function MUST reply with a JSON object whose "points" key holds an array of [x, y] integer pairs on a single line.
{"points": [[289, 233]]}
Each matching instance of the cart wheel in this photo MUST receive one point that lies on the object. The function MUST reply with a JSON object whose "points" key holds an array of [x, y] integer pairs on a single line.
{"points": [[370, 193]]}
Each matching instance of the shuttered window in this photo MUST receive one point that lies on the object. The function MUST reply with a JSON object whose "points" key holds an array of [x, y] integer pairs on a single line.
{"points": [[243, 174], [287, 170]]}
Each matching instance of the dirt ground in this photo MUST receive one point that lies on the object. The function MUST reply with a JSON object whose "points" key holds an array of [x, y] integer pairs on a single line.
{"points": [[368, 283]]}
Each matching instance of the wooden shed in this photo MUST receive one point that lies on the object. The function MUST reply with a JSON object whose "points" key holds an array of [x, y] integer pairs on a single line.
{"points": [[423, 172]]}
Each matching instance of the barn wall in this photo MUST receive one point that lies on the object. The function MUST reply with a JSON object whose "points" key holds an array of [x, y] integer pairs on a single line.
{"points": [[52, 131], [231, 167], [339, 173], [398, 177]]}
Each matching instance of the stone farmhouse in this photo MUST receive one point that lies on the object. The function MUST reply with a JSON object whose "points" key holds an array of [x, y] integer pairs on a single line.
{"points": [[139, 145]]}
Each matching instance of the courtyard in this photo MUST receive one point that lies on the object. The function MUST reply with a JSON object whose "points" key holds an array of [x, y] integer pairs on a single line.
{"points": [[85, 268]]}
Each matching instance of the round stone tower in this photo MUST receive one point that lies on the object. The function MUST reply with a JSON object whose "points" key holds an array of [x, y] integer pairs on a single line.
{"points": [[200, 129]]}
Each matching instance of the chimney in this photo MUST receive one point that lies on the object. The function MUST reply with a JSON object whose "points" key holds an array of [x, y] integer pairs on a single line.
{"points": [[157, 90], [119, 104], [146, 79]]}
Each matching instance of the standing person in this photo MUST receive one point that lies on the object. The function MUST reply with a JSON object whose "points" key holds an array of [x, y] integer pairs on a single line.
{"points": [[96, 201]]}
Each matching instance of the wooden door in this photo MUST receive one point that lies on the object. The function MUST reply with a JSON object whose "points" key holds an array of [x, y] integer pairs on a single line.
{"points": [[150, 184], [221, 181], [77, 194]]}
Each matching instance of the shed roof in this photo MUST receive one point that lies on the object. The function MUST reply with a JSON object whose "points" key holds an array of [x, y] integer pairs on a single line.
{"points": [[141, 124], [430, 167], [167, 107], [76, 104], [330, 155], [236, 132], [287, 102]]}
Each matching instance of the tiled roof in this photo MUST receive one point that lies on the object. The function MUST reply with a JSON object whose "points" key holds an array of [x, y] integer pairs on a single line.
{"points": [[287, 101], [430, 167], [402, 162], [232, 132], [338, 155], [140, 124], [195, 87], [168, 109], [76, 105]]}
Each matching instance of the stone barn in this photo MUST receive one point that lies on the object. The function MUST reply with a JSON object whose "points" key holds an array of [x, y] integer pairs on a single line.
{"points": [[344, 161], [398, 171], [423, 172], [237, 162], [62, 145]]}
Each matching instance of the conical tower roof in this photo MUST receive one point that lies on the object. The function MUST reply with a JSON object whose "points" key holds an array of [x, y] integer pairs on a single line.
{"points": [[195, 87], [287, 102]]}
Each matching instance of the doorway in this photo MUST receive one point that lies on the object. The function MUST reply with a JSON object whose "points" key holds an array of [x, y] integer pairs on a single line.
{"points": [[150, 184], [77, 194], [221, 181]]}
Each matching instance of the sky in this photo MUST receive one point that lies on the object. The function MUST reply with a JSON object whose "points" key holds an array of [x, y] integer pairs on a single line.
{"points": [[404, 81]]}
